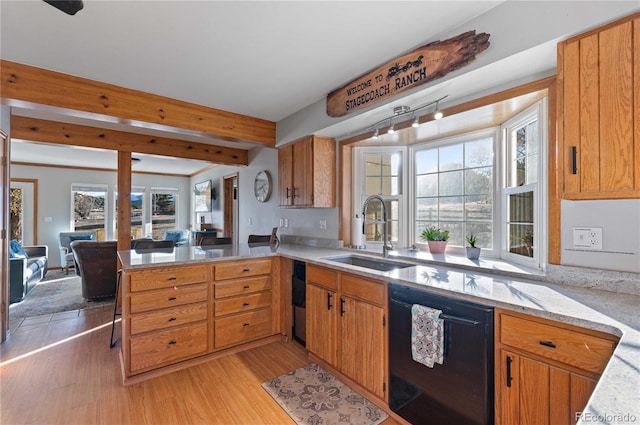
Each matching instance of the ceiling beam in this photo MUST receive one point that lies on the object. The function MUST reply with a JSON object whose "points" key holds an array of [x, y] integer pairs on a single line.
{"points": [[24, 83], [38, 130]]}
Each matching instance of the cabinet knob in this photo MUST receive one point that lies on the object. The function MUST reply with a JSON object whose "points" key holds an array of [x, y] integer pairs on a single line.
{"points": [[245, 304], [245, 324], [171, 319], [172, 298], [172, 342], [172, 278], [246, 270], [549, 344], [246, 287]]}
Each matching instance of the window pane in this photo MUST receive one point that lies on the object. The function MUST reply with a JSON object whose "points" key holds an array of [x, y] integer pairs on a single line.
{"points": [[163, 213], [382, 174], [450, 183], [137, 203], [451, 208], [427, 185], [427, 161], [427, 209], [479, 208], [523, 155], [478, 153], [483, 232], [375, 231], [451, 158], [15, 213], [372, 165], [89, 210], [456, 232], [521, 212], [478, 181], [373, 185]]}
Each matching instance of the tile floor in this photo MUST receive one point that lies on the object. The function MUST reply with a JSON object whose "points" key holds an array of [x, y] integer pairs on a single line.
{"points": [[27, 323]]}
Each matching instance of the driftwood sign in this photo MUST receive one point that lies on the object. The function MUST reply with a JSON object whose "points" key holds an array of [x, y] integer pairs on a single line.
{"points": [[422, 65]]}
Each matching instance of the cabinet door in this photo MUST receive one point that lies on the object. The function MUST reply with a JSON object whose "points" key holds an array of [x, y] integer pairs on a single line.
{"points": [[362, 339], [303, 172], [285, 175], [322, 316]]}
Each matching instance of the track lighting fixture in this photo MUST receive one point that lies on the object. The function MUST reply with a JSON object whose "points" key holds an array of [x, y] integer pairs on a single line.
{"points": [[403, 110]]}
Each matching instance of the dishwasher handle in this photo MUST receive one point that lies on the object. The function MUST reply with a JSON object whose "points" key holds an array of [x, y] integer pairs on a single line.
{"points": [[444, 316]]}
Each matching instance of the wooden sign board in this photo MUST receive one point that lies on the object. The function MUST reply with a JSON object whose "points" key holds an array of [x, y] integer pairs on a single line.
{"points": [[426, 63]]}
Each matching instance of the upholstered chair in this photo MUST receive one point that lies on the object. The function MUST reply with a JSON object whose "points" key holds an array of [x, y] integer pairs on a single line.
{"points": [[98, 267]]}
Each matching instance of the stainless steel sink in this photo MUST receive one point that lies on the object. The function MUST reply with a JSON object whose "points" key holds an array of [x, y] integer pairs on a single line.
{"points": [[379, 264]]}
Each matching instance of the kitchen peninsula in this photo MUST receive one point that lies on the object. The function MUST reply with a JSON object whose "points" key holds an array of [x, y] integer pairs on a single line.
{"points": [[233, 297]]}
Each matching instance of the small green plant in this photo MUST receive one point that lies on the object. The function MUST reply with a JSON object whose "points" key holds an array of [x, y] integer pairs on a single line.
{"points": [[434, 234], [471, 240]]}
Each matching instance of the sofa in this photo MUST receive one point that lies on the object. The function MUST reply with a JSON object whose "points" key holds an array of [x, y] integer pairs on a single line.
{"points": [[97, 266], [27, 267], [180, 237]]}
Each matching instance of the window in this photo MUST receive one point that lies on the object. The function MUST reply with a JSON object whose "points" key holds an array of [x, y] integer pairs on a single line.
{"points": [[453, 185], [88, 208], [163, 210], [521, 195], [381, 173]]}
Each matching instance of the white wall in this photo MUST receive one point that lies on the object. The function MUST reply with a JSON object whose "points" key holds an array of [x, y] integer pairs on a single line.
{"points": [[264, 215], [54, 198]]}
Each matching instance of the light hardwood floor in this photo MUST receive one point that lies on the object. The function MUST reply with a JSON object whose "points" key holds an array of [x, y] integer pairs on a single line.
{"points": [[64, 372]]}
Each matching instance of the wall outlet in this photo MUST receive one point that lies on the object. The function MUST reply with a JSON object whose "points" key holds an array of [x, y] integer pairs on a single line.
{"points": [[323, 224], [282, 222], [286, 222], [587, 238]]}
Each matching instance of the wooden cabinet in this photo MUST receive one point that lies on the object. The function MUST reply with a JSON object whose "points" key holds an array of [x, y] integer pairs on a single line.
{"points": [[243, 302], [307, 173], [179, 313], [545, 371], [599, 112], [165, 317], [346, 325]]}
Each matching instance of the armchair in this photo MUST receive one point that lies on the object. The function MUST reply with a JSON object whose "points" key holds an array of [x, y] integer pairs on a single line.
{"points": [[65, 238], [179, 237], [98, 267]]}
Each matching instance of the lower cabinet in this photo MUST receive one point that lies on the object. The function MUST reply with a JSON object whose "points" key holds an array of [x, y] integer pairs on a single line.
{"points": [[177, 313], [346, 325], [545, 373]]}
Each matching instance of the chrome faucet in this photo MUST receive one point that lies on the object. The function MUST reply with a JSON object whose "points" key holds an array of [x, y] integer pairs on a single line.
{"points": [[385, 245]]}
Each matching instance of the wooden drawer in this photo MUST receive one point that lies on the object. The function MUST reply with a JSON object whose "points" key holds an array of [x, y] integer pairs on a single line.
{"points": [[168, 318], [167, 277], [320, 276], [367, 290], [158, 349], [243, 303], [249, 267], [242, 286], [165, 298], [570, 347], [243, 327]]}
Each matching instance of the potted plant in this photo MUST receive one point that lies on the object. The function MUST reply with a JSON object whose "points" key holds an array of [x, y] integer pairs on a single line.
{"points": [[473, 252], [436, 239]]}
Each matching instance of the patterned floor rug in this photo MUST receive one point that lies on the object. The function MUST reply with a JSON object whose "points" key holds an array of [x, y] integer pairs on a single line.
{"points": [[311, 395], [57, 292]]}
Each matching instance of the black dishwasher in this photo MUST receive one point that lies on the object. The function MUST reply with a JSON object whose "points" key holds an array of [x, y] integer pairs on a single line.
{"points": [[459, 391]]}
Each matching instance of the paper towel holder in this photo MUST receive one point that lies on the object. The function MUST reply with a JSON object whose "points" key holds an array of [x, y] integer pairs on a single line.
{"points": [[354, 246]]}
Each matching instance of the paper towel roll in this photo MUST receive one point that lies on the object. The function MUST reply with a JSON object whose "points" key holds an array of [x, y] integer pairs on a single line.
{"points": [[356, 232]]}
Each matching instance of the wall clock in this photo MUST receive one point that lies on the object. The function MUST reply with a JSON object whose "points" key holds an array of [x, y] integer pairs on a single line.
{"points": [[262, 186]]}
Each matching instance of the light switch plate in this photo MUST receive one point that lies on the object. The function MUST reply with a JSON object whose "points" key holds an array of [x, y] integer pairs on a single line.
{"points": [[587, 238]]}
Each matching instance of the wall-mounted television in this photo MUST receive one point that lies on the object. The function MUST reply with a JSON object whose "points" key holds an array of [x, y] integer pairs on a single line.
{"points": [[202, 196]]}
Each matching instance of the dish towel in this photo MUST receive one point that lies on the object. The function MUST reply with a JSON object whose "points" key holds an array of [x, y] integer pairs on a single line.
{"points": [[427, 335]]}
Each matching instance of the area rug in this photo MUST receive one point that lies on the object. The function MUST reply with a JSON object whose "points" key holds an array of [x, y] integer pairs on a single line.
{"points": [[57, 292], [311, 395]]}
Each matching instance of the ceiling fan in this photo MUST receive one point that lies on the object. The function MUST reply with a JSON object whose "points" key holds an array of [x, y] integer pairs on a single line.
{"points": [[70, 7]]}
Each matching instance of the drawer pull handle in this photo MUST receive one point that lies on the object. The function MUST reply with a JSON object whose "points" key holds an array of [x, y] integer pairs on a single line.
{"points": [[246, 270], [245, 304], [549, 344], [329, 296], [246, 287], [246, 324], [342, 311], [172, 298], [171, 319], [574, 161], [173, 278], [172, 342]]}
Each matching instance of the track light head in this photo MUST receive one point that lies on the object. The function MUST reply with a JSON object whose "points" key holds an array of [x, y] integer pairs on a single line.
{"points": [[391, 130], [415, 123], [375, 134], [437, 114]]}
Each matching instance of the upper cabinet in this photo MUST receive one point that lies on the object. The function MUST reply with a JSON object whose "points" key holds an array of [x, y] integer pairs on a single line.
{"points": [[599, 112], [307, 173]]}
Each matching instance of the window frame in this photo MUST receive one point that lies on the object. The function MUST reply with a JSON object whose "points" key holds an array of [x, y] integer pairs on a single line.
{"points": [[163, 191], [88, 187], [359, 187]]}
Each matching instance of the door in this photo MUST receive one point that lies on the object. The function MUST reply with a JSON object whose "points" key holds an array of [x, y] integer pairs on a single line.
{"points": [[303, 173], [285, 175], [231, 195], [321, 309], [362, 339]]}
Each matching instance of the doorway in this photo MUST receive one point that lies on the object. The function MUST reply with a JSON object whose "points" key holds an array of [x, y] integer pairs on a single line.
{"points": [[23, 211], [231, 195]]}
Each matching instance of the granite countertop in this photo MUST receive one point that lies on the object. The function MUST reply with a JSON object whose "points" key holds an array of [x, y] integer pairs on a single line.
{"points": [[618, 391]]}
